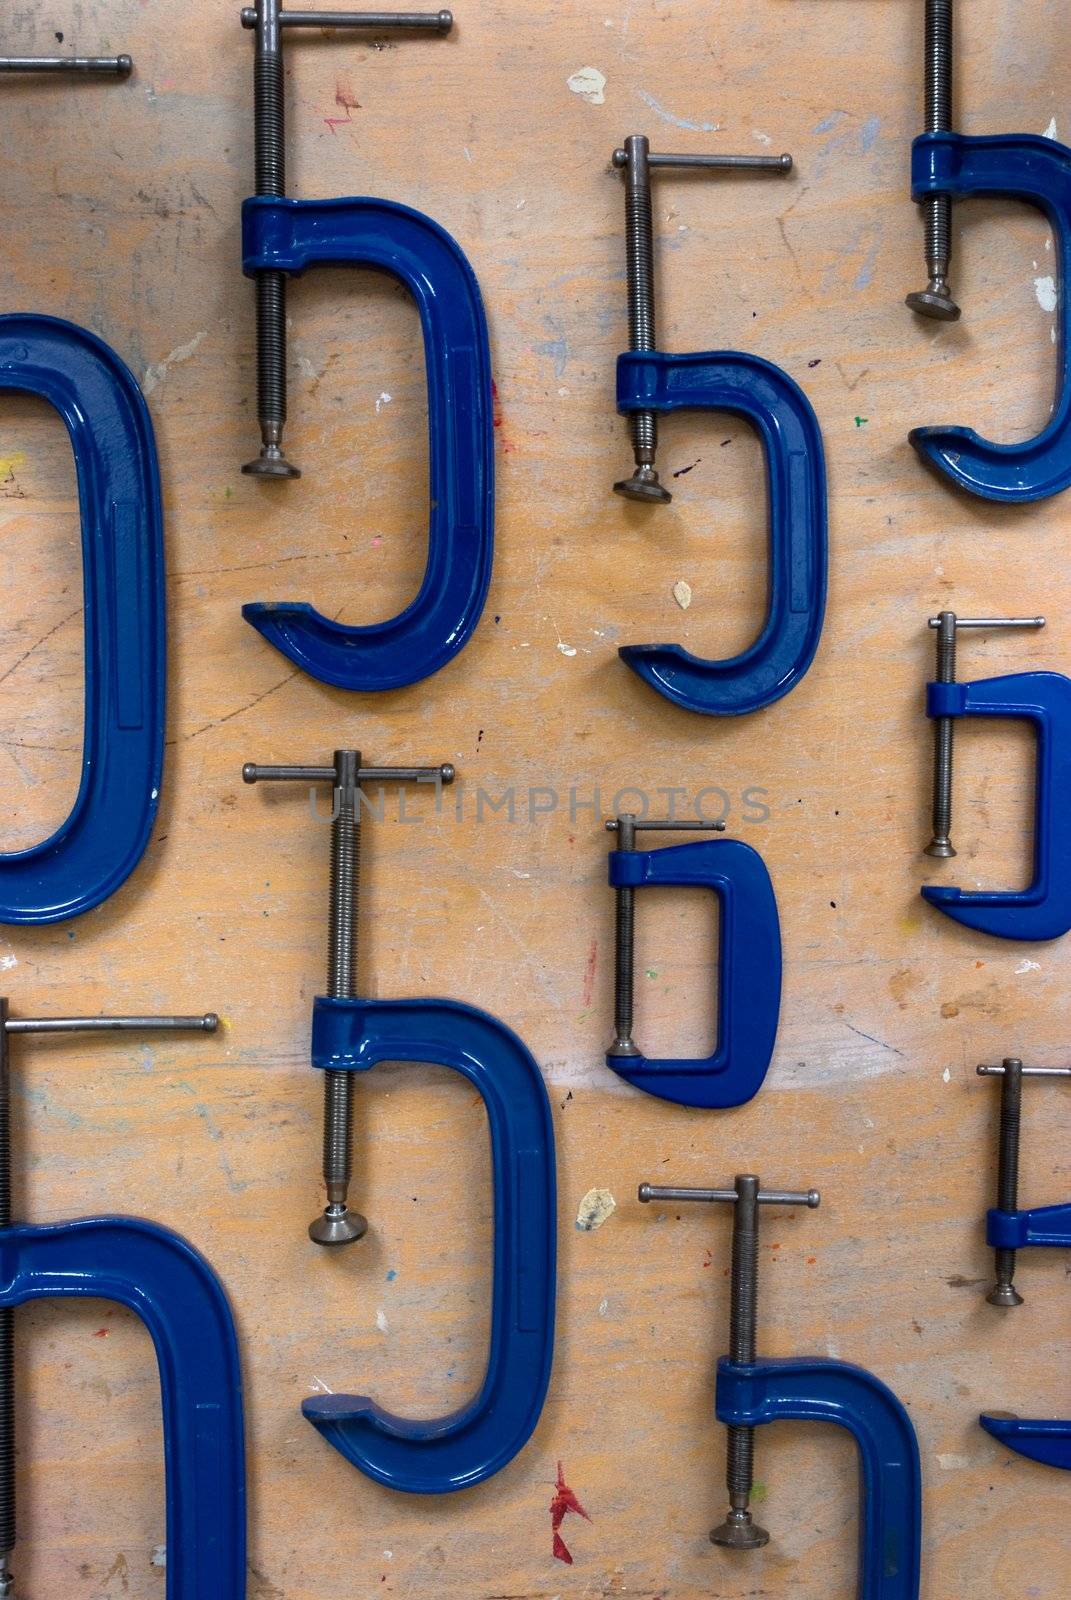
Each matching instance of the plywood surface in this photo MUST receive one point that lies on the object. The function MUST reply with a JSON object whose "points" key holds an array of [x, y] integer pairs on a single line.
{"points": [[121, 211]]}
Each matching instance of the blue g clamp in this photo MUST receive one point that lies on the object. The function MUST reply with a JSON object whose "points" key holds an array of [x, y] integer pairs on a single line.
{"points": [[350, 1035], [649, 382], [282, 237], [108, 827], [1008, 1229], [165, 1282], [1043, 910], [749, 968], [1018, 166], [751, 1392]]}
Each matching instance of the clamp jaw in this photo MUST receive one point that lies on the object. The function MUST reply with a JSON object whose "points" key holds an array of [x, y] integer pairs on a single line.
{"points": [[350, 1035], [1009, 1229], [1018, 166], [165, 1282], [102, 839], [650, 382], [752, 1392], [749, 963], [1043, 909], [282, 238]]}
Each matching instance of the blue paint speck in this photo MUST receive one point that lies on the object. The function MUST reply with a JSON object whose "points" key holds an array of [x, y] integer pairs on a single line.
{"points": [[868, 134], [828, 123], [392, 1274]]}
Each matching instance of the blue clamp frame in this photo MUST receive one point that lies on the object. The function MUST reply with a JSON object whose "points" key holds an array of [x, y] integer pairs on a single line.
{"points": [[1020, 166], [1047, 1440], [1043, 910], [282, 235], [178, 1297], [453, 1452], [749, 972], [775, 405], [92, 853], [890, 1480]]}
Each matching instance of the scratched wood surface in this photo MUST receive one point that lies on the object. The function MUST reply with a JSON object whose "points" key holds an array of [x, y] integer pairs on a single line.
{"points": [[121, 212]]}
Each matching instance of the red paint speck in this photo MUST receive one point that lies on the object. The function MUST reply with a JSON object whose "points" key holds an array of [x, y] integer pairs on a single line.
{"points": [[589, 973], [496, 417], [101, 1333], [708, 1258], [346, 101], [811, 1260], [563, 1502]]}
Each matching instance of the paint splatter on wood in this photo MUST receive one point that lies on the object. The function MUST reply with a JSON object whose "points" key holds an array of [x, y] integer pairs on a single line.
{"points": [[596, 1206], [564, 1502]]}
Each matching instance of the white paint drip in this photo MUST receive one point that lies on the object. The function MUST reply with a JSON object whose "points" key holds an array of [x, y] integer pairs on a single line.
{"points": [[952, 1463], [1024, 966], [682, 593], [7, 962], [596, 1206], [383, 400], [590, 84], [672, 118], [381, 1321], [159, 1556], [1045, 289], [320, 1387], [604, 1306], [309, 369], [1050, 131], [947, 1075], [156, 374], [763, 138]]}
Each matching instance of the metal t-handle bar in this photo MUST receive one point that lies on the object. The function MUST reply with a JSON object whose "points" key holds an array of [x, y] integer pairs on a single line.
{"points": [[373, 21], [1025, 1072], [769, 1197], [782, 163], [252, 772], [78, 66], [627, 823], [990, 622], [208, 1022]]}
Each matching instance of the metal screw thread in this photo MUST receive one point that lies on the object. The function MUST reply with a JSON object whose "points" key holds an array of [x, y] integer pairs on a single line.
{"points": [[7, 1322], [639, 257], [624, 943], [270, 160], [342, 968], [943, 734], [743, 1314], [938, 66], [1011, 1105], [938, 207]]}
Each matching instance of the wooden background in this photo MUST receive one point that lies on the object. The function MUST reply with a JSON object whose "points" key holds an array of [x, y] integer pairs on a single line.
{"points": [[121, 206]]}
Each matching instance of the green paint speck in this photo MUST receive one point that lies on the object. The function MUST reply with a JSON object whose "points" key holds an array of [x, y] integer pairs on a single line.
{"points": [[861, 421], [651, 973]]}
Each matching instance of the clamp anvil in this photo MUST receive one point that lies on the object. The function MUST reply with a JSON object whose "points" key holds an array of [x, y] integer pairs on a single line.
{"points": [[948, 166], [284, 237], [651, 382], [752, 1391], [352, 1034], [1009, 1228], [1043, 699], [749, 961], [165, 1282]]}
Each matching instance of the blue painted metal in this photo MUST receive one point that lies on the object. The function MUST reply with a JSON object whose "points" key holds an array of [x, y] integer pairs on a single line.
{"points": [[452, 1452], [748, 387], [890, 1479], [1043, 910], [282, 235], [178, 1297], [749, 971], [108, 827], [1047, 1440], [1020, 166]]}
